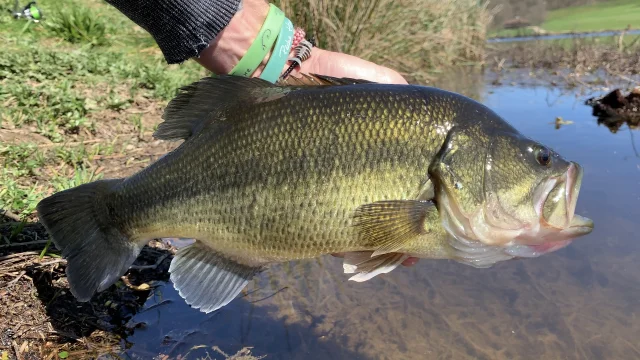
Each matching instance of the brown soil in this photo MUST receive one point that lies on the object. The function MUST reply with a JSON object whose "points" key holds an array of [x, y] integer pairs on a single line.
{"points": [[41, 319]]}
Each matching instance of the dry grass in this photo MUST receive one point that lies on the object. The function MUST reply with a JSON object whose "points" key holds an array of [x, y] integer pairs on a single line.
{"points": [[417, 38], [619, 57]]}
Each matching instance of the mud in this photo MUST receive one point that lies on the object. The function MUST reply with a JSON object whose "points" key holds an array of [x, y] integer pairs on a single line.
{"points": [[40, 317]]}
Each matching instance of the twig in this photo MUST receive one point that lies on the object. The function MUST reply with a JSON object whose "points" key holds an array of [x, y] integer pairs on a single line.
{"points": [[633, 143], [265, 298], [64, 334], [56, 261], [16, 350], [10, 215], [25, 243], [10, 283], [626, 78], [11, 256]]}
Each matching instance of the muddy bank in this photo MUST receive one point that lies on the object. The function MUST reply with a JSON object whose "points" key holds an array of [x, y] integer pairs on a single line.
{"points": [[578, 55], [42, 320]]}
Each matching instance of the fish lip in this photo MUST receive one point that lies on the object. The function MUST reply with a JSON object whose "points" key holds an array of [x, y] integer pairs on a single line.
{"points": [[573, 182], [572, 179], [581, 224]]}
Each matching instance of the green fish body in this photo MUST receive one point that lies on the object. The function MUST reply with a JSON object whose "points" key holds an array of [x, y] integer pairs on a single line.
{"points": [[278, 173]]}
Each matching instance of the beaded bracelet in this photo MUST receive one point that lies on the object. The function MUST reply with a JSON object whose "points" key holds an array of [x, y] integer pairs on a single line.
{"points": [[302, 53]]}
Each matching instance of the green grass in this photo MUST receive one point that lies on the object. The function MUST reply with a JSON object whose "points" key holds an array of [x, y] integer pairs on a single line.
{"points": [[611, 15], [57, 78], [77, 25]]}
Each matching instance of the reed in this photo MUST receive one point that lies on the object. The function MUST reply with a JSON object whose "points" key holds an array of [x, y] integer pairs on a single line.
{"points": [[417, 38]]}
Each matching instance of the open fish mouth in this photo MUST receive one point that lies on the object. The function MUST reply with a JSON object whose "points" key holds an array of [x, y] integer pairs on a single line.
{"points": [[485, 238], [555, 204], [559, 225]]}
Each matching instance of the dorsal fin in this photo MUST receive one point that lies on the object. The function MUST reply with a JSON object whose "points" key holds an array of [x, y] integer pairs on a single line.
{"points": [[319, 80], [207, 99]]}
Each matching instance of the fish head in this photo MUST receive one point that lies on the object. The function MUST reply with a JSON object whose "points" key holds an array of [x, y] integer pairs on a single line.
{"points": [[502, 195]]}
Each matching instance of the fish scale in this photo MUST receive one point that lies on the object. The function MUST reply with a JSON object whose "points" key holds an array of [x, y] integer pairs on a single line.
{"points": [[270, 181]]}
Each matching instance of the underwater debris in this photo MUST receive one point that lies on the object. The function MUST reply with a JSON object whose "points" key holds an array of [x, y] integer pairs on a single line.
{"points": [[615, 109]]}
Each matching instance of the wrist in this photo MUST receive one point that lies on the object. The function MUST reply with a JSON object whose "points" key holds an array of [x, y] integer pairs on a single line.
{"points": [[231, 44]]}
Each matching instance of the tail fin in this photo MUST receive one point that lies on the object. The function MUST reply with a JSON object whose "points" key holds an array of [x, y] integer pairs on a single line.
{"points": [[78, 222]]}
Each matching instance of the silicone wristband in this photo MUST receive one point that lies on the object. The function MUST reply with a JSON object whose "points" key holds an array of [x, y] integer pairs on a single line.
{"points": [[261, 44], [279, 54]]}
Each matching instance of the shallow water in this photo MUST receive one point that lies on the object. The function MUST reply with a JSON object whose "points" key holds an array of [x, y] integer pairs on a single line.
{"points": [[577, 303], [562, 36]]}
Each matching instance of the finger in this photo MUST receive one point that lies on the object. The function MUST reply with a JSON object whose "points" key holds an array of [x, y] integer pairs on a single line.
{"points": [[335, 64]]}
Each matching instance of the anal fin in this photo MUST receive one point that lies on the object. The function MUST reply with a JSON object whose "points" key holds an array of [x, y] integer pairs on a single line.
{"points": [[206, 279], [367, 267]]}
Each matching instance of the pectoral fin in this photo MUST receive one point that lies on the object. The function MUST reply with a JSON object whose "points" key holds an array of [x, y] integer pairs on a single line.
{"points": [[207, 280], [366, 267], [390, 225]]}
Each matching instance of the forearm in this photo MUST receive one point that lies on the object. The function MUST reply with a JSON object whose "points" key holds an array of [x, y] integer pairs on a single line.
{"points": [[181, 28], [231, 44]]}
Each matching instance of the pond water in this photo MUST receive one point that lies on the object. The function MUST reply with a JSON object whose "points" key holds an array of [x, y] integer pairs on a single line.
{"points": [[562, 36], [580, 302]]}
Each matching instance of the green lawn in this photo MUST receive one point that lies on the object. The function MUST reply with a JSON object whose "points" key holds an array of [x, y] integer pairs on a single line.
{"points": [[611, 15], [82, 87]]}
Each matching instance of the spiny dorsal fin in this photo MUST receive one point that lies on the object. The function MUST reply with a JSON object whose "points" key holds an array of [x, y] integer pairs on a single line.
{"points": [[206, 100], [392, 224], [319, 80]]}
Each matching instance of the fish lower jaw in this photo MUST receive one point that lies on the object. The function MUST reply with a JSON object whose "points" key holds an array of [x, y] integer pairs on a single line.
{"points": [[481, 245], [532, 251]]}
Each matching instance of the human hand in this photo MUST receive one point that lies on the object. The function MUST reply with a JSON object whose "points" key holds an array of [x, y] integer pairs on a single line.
{"points": [[226, 50]]}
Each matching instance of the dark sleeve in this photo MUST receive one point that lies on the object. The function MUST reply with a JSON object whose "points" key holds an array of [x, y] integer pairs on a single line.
{"points": [[182, 28]]}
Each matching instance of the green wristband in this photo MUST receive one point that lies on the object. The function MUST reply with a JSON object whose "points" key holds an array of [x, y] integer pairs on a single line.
{"points": [[279, 54], [261, 44]]}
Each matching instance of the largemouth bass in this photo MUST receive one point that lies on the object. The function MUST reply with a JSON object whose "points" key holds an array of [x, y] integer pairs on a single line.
{"points": [[271, 173]]}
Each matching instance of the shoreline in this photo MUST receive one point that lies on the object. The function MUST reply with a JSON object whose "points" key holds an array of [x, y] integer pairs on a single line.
{"points": [[562, 35]]}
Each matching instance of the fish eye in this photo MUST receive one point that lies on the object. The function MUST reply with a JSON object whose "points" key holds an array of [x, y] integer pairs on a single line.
{"points": [[543, 156]]}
